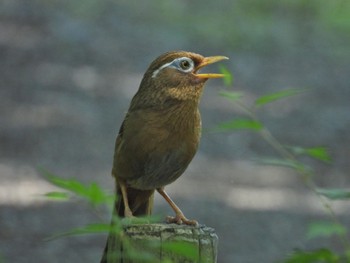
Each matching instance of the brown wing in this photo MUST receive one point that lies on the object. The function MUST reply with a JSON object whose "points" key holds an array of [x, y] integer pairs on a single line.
{"points": [[118, 142]]}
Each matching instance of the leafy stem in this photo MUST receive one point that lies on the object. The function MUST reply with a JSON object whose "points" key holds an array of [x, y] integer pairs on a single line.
{"points": [[289, 154]]}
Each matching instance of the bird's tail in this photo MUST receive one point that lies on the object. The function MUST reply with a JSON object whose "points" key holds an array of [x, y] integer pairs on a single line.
{"points": [[140, 203]]}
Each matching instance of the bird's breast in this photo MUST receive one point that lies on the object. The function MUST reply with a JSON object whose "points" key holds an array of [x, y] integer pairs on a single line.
{"points": [[162, 146]]}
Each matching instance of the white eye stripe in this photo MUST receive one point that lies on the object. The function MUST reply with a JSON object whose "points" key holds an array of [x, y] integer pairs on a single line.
{"points": [[176, 63], [155, 73]]}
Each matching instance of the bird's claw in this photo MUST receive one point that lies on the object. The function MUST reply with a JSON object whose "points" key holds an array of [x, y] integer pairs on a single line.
{"points": [[181, 219]]}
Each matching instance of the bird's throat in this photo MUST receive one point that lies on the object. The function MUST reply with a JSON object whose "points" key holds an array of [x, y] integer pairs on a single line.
{"points": [[182, 116]]}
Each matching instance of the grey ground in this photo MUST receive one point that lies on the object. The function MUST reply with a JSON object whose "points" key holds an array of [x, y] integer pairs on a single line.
{"points": [[65, 84]]}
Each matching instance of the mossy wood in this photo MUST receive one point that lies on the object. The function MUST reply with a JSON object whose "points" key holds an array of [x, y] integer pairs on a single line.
{"points": [[161, 243]]}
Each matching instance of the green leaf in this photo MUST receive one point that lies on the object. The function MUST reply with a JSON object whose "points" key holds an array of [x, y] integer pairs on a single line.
{"points": [[315, 256], [319, 153], [277, 96], [60, 196], [232, 96], [325, 229], [334, 194], [183, 249], [92, 193], [97, 195], [228, 77], [239, 124], [71, 185]]}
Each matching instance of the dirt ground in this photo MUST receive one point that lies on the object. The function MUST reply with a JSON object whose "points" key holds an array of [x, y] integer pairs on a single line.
{"points": [[66, 80]]}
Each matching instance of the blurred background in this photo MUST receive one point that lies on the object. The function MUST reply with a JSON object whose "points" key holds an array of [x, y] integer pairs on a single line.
{"points": [[70, 68]]}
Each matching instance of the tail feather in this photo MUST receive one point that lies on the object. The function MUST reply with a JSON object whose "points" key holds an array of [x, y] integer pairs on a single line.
{"points": [[140, 202]]}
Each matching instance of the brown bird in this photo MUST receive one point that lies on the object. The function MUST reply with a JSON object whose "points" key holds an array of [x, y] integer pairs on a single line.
{"points": [[160, 133]]}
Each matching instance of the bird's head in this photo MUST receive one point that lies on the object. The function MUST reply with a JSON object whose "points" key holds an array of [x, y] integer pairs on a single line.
{"points": [[175, 75]]}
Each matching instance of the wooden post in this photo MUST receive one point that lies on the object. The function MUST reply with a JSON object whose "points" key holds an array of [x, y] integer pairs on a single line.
{"points": [[163, 243]]}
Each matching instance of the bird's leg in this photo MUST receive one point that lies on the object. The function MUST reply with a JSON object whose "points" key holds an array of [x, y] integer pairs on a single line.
{"points": [[123, 188], [179, 216]]}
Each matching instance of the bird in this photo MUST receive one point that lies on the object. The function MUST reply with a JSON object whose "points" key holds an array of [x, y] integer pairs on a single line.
{"points": [[160, 133]]}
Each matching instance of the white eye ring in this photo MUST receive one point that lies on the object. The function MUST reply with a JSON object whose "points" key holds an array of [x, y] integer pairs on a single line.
{"points": [[183, 64]]}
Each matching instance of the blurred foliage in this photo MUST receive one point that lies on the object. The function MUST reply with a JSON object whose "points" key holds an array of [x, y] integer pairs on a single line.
{"points": [[320, 153], [228, 77], [186, 250], [277, 96], [267, 27], [289, 156], [325, 229], [94, 195], [293, 164], [239, 124], [91, 193], [316, 256], [335, 194]]}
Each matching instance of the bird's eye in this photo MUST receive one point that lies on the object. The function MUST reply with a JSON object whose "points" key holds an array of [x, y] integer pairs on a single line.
{"points": [[185, 64]]}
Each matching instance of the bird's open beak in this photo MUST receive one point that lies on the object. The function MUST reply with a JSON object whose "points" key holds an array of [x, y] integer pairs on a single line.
{"points": [[207, 61]]}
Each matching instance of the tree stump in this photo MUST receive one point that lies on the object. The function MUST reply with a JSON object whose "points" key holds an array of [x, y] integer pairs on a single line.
{"points": [[162, 243]]}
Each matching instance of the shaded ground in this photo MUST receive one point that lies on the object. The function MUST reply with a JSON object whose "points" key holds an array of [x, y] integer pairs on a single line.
{"points": [[68, 72]]}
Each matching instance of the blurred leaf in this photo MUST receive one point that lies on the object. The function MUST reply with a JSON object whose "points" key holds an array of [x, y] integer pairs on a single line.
{"points": [[316, 256], [88, 229], [232, 96], [228, 78], [285, 163], [184, 249], [277, 96], [325, 229], [97, 195], [319, 153], [93, 193], [60, 196], [240, 124], [334, 194]]}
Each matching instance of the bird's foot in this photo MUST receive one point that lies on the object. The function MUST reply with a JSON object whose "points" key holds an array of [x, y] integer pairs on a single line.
{"points": [[128, 213], [181, 219], [129, 218]]}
